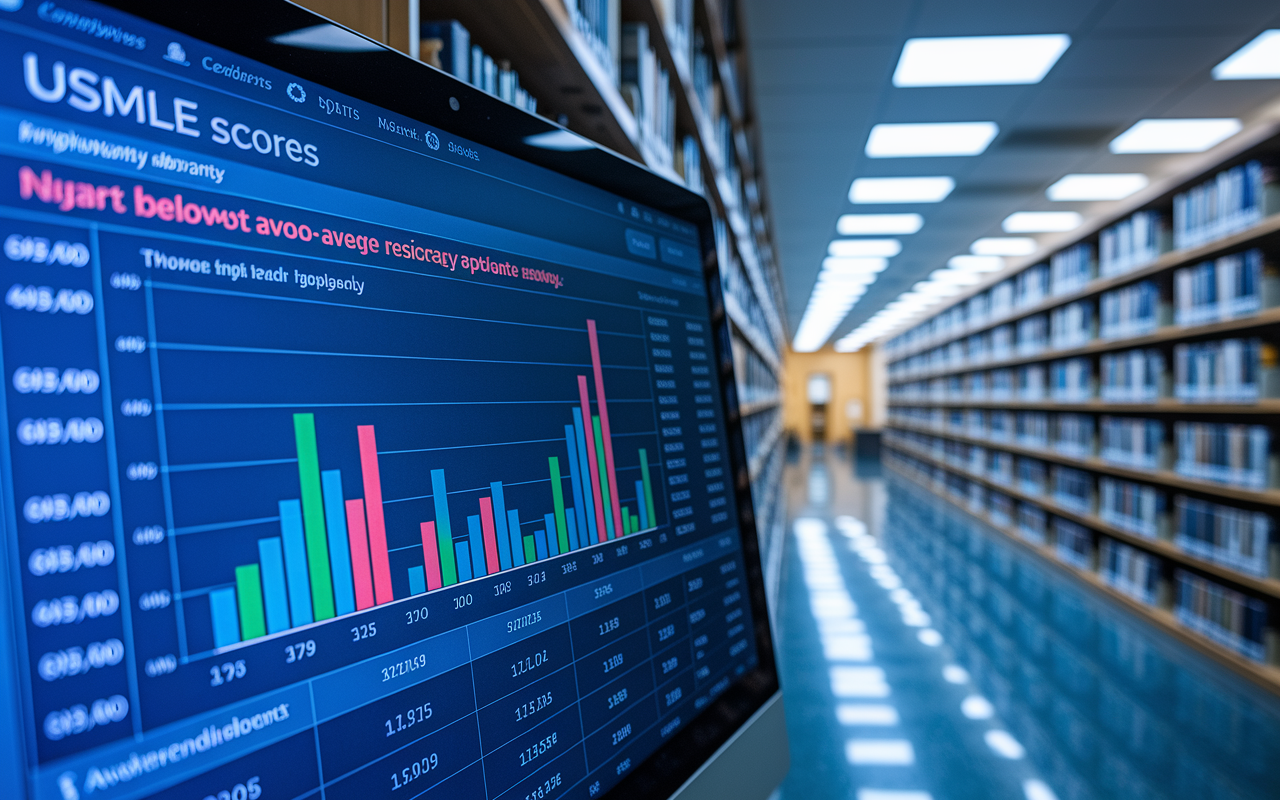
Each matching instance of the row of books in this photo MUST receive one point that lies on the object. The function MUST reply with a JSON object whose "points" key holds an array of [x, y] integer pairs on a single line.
{"points": [[1230, 202], [1224, 288], [757, 430], [446, 45], [1129, 311], [1224, 371], [1224, 615], [1132, 243], [1071, 269], [1224, 452], [646, 86], [756, 379], [1134, 507], [1237, 538], [1131, 376]]}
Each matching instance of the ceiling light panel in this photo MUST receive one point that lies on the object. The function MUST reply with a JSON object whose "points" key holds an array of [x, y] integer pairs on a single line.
{"points": [[978, 60], [930, 139], [976, 263], [855, 248], [878, 224], [1257, 60], [1081, 186], [1042, 222], [854, 265], [901, 190], [1175, 135], [1004, 246]]}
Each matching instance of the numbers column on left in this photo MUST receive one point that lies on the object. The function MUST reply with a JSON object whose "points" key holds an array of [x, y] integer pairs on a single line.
{"points": [[65, 511]]}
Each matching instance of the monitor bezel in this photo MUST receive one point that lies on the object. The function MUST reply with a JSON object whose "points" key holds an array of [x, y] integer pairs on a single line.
{"points": [[392, 80]]}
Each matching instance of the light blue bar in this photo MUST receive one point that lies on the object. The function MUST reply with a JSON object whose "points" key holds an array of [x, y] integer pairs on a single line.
{"points": [[573, 532], [295, 562], [271, 559], [575, 478], [640, 504], [552, 545], [335, 522], [588, 499], [500, 525], [540, 544], [226, 625], [517, 544], [441, 498], [463, 560], [476, 534], [417, 581]]}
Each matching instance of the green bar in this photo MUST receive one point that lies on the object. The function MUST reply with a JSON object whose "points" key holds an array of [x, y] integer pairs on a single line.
{"points": [[530, 552], [626, 521], [304, 431], [253, 622], [604, 478], [557, 496], [648, 489]]}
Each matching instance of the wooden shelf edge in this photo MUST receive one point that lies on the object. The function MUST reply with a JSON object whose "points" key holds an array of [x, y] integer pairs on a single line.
{"points": [[1265, 675]]}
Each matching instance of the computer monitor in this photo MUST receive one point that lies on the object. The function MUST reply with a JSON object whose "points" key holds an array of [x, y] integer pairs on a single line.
{"points": [[365, 436]]}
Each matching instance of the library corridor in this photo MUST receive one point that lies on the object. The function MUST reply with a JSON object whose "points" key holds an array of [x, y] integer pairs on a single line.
{"points": [[924, 655]]}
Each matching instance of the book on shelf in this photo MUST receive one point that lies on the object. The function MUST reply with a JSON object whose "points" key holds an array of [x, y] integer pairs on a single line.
{"points": [[677, 22], [977, 497], [1132, 442], [1227, 203], [1228, 617], [689, 163], [600, 24], [1129, 311], [1132, 243], [1225, 371], [1073, 434], [1234, 537], [1032, 334], [1032, 523], [1002, 384], [1133, 507], [976, 423], [1032, 475], [1071, 268], [1000, 507], [1071, 325], [976, 385], [1031, 382], [1031, 285], [1000, 467], [1229, 287], [1071, 380], [1132, 376], [1223, 452], [1073, 489], [1129, 570], [1031, 428], [646, 86], [1002, 299], [1001, 426], [1072, 543], [446, 44], [1001, 345], [977, 309]]}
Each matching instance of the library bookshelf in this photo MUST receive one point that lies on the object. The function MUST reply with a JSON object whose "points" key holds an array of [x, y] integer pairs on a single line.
{"points": [[1115, 406], [662, 82]]}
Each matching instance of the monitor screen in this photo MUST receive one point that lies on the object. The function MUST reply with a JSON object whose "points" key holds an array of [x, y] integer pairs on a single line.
{"points": [[343, 454]]}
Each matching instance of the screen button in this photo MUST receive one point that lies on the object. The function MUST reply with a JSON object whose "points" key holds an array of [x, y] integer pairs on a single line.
{"points": [[640, 244], [678, 254]]}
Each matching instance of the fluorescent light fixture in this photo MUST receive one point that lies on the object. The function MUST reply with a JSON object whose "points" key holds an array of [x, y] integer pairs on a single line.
{"points": [[1175, 135], [955, 276], [935, 289], [901, 190], [864, 248], [1004, 745], [854, 265], [866, 714], [1035, 789], [879, 751], [1042, 222], [1257, 60], [1004, 246], [878, 224], [327, 38], [976, 263], [979, 60], [1099, 186], [894, 140]]}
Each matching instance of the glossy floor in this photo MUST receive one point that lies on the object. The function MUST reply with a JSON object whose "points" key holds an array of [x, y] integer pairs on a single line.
{"points": [[924, 655]]}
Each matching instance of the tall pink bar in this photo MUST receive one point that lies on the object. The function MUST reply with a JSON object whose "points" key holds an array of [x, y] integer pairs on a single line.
{"points": [[431, 556], [604, 428], [359, 542], [602, 533], [373, 510], [490, 535]]}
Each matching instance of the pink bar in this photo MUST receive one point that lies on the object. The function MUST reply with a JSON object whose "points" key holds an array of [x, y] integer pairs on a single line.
{"points": [[490, 535], [373, 508], [604, 428], [601, 532], [430, 556], [359, 554]]}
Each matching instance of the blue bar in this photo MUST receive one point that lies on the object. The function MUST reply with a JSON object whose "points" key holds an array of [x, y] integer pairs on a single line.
{"points": [[517, 544], [476, 534], [226, 625], [640, 504], [417, 581], [271, 559], [295, 562], [464, 561], [575, 478], [335, 522], [540, 544], [573, 532], [500, 525], [552, 544], [588, 499], [441, 498]]}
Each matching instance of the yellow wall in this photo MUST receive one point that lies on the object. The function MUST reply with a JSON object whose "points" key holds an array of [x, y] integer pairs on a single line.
{"points": [[850, 380]]}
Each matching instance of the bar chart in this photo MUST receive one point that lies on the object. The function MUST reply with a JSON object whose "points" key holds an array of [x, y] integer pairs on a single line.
{"points": [[332, 555]]}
